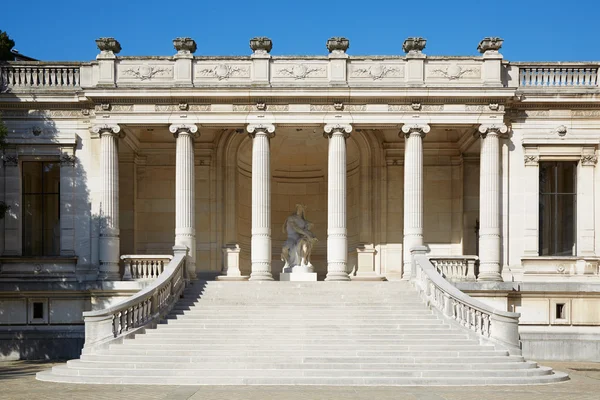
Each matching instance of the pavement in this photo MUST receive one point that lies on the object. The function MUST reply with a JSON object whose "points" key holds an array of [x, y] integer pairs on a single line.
{"points": [[17, 381]]}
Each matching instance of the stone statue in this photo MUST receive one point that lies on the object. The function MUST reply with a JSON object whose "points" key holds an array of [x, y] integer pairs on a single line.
{"points": [[298, 246]]}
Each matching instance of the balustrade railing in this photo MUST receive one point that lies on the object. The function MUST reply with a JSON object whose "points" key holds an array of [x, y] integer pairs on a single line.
{"points": [[138, 267], [34, 75], [456, 268], [496, 326], [558, 76], [140, 311]]}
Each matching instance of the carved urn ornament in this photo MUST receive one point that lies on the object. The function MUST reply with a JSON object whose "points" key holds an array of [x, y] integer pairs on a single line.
{"points": [[490, 44], [414, 45], [338, 44], [108, 45], [261, 44], [184, 45]]}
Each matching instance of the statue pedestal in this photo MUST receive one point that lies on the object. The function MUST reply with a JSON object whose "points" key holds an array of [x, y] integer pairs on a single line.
{"points": [[298, 277]]}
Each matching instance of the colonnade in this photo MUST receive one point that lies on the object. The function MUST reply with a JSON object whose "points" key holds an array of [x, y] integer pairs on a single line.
{"points": [[337, 240]]}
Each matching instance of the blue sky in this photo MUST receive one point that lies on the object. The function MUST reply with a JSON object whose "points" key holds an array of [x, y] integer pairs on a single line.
{"points": [[533, 30]]}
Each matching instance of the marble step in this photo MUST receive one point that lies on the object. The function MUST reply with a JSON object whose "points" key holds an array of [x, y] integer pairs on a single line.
{"points": [[162, 351], [270, 372], [317, 380], [295, 358], [457, 365], [267, 345], [293, 340]]}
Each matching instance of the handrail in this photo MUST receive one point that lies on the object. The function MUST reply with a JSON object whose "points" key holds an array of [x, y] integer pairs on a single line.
{"points": [[558, 75], [142, 310], [491, 324], [40, 75]]}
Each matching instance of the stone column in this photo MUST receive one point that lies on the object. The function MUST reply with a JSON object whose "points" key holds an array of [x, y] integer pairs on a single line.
{"points": [[413, 191], [108, 242], [337, 235], [489, 202], [185, 192], [260, 251]]}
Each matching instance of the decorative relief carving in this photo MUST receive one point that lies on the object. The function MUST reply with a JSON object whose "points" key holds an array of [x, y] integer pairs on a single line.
{"points": [[421, 129], [181, 107], [536, 113], [415, 107], [301, 71], [532, 160], [485, 129], [355, 107], [147, 72], [10, 160], [589, 159], [332, 107], [344, 129], [36, 130], [68, 160], [224, 72], [561, 130], [199, 107], [585, 113], [268, 129], [478, 107], [270, 107], [377, 72], [455, 72]]}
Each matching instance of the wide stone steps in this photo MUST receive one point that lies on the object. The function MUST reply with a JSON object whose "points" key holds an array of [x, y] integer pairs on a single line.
{"points": [[288, 333]]}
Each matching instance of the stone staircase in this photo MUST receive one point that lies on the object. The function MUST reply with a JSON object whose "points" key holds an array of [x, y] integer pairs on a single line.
{"points": [[314, 333]]}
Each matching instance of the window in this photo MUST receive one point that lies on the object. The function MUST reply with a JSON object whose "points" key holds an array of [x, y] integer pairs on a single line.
{"points": [[558, 199], [41, 208]]}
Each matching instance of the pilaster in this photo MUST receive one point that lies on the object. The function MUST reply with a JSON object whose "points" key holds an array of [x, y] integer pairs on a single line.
{"points": [[337, 232], [585, 204], [260, 252], [67, 203], [413, 191], [12, 194], [531, 187]]}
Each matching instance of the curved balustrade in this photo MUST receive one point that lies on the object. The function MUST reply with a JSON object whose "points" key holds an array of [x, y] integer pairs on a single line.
{"points": [[456, 268], [138, 267], [140, 311], [499, 327], [38, 75]]}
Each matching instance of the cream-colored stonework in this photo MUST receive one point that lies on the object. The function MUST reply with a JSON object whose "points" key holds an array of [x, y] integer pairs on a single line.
{"points": [[386, 152]]}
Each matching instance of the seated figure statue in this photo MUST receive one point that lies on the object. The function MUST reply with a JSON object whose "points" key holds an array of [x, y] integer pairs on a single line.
{"points": [[298, 246]]}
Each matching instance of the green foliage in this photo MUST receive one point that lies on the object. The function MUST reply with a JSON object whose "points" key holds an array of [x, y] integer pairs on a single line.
{"points": [[6, 45]]}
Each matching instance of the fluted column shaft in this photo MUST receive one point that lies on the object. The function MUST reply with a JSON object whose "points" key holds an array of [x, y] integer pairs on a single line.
{"points": [[185, 192], [489, 203], [109, 243], [260, 242], [337, 232], [413, 191]]}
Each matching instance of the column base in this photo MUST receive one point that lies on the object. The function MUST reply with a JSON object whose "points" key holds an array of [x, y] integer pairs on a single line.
{"points": [[109, 276], [261, 276], [489, 276], [337, 276]]}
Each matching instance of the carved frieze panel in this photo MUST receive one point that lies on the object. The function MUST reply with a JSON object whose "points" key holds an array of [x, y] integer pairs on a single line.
{"points": [[413, 108], [332, 107], [80, 113], [299, 71], [260, 107], [585, 113], [144, 73], [222, 72], [375, 71], [177, 107], [115, 108], [449, 72]]}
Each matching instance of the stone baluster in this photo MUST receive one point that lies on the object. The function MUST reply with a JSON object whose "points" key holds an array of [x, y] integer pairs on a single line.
{"points": [[337, 235], [185, 192], [413, 191], [489, 202], [260, 243], [108, 243]]}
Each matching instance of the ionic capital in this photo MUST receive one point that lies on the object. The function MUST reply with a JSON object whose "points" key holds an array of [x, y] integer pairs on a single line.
{"points": [[419, 129], [107, 129], [189, 129], [265, 128], [497, 129], [331, 129]]}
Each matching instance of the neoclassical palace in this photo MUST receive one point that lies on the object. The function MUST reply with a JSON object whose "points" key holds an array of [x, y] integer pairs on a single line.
{"points": [[126, 179]]}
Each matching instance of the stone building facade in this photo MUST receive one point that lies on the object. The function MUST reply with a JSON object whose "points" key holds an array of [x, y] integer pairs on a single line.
{"points": [[491, 164]]}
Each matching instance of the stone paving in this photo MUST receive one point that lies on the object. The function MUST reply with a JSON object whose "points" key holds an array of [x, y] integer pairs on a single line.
{"points": [[17, 381]]}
